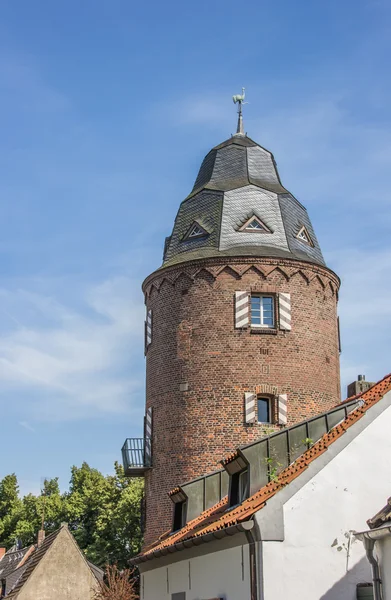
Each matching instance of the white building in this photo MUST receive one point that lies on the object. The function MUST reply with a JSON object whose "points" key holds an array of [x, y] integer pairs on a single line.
{"points": [[377, 543], [286, 527]]}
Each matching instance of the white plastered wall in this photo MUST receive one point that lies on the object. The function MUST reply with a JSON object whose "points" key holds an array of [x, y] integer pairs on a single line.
{"points": [[216, 575], [319, 559]]}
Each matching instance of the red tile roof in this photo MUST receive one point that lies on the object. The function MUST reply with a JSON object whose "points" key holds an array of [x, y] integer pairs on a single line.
{"points": [[218, 517]]}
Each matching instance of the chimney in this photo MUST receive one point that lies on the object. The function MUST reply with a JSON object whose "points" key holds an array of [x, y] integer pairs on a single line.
{"points": [[41, 537], [359, 386], [3, 550]]}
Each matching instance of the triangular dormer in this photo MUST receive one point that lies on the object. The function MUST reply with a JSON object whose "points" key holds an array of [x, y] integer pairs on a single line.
{"points": [[195, 231], [254, 225], [304, 236]]}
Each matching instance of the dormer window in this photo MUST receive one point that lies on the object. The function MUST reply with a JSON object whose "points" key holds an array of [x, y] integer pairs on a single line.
{"points": [[179, 499], [195, 231], [240, 487], [254, 225], [304, 236], [180, 510]]}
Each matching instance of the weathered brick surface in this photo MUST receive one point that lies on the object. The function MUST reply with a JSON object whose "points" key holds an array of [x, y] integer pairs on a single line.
{"points": [[195, 342]]}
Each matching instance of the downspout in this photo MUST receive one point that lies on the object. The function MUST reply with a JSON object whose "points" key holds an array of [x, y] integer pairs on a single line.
{"points": [[253, 565], [369, 545]]}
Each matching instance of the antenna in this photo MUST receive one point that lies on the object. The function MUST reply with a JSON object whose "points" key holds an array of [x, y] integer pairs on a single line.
{"points": [[43, 494]]}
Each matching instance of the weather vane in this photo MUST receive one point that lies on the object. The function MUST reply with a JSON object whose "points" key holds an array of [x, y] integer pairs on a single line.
{"points": [[239, 99]]}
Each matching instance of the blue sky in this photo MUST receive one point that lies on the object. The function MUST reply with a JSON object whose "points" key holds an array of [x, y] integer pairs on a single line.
{"points": [[107, 108]]}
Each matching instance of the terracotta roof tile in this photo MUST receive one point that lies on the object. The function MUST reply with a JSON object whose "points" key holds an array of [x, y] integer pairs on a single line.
{"points": [[219, 517], [383, 516]]}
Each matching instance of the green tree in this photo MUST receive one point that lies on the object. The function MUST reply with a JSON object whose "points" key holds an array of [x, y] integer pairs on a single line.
{"points": [[103, 513], [10, 509]]}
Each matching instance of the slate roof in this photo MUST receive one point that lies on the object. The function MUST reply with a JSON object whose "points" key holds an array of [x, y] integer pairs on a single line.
{"points": [[239, 179], [11, 560], [219, 517]]}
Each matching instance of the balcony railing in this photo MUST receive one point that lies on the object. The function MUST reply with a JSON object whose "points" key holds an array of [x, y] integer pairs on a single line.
{"points": [[136, 456]]}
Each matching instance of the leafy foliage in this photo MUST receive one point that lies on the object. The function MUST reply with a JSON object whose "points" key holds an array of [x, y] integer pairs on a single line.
{"points": [[102, 512]]}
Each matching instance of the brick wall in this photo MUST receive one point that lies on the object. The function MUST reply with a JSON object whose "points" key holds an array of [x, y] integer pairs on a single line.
{"points": [[195, 343]]}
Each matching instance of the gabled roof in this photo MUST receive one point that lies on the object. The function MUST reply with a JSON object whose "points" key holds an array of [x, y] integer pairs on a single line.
{"points": [[34, 562], [219, 517], [23, 574]]}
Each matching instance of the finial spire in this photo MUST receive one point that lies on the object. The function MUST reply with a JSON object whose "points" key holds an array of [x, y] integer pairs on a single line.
{"points": [[239, 99]]}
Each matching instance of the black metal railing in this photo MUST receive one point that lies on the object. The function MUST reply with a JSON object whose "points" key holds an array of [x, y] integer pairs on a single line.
{"points": [[136, 456]]}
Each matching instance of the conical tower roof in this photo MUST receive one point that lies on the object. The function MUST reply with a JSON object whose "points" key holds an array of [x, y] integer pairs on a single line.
{"points": [[239, 207]]}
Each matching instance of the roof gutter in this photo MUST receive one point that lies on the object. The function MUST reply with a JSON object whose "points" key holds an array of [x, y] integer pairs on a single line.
{"points": [[244, 527], [374, 534]]}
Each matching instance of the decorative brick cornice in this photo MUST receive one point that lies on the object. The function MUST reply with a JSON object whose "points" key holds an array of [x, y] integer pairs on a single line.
{"points": [[238, 266]]}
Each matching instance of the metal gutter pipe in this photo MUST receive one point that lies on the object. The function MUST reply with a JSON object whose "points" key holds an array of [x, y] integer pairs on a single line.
{"points": [[369, 545], [253, 564]]}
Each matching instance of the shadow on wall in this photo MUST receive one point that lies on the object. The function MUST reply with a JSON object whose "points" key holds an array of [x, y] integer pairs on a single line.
{"points": [[346, 587]]}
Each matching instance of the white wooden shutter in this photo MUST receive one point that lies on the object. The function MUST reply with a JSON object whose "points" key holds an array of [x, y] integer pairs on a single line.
{"points": [[148, 329], [241, 310], [148, 435], [284, 305], [249, 407], [282, 409]]}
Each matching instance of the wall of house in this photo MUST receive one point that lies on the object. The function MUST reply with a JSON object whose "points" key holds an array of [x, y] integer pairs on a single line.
{"points": [[319, 558], [199, 366], [223, 574], [62, 574], [383, 547]]}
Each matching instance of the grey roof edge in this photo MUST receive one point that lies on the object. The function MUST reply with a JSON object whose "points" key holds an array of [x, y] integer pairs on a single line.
{"points": [[235, 258], [276, 189], [196, 541], [255, 252]]}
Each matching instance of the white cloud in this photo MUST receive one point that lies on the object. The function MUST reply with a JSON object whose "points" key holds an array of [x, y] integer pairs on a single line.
{"points": [[26, 425], [74, 363]]}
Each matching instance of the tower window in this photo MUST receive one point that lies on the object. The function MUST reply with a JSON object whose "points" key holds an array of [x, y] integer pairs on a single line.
{"points": [[262, 311], [195, 231], [255, 225], [264, 410]]}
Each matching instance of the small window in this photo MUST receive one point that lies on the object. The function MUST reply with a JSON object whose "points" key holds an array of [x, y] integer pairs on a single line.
{"points": [[255, 225], [264, 410], [180, 510], [262, 311], [240, 487], [195, 231], [304, 236]]}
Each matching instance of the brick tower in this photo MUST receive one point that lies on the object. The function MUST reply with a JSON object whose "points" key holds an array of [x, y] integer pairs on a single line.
{"points": [[241, 330]]}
